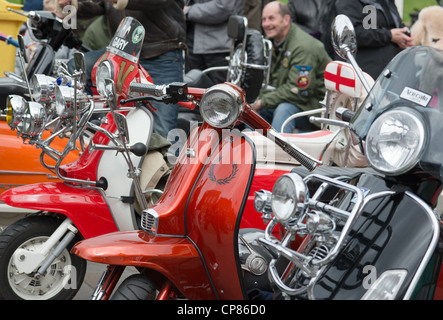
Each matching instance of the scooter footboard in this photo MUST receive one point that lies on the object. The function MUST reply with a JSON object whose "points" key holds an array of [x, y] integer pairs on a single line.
{"points": [[174, 257]]}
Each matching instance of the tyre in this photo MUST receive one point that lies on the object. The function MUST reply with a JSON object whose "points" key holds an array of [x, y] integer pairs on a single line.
{"points": [[136, 287], [249, 79], [61, 280]]}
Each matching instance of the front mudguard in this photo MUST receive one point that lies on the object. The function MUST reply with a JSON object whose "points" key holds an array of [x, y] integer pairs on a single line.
{"points": [[176, 258], [86, 208]]}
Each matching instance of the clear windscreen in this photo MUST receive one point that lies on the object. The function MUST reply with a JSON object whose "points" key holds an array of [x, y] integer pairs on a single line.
{"points": [[413, 79], [128, 39]]}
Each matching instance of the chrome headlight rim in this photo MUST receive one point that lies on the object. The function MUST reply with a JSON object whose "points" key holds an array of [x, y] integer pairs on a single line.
{"points": [[64, 101], [290, 197], [43, 88], [35, 119], [105, 70], [374, 151], [212, 105], [16, 107]]}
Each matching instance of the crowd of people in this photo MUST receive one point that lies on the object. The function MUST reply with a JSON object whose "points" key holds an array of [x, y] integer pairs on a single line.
{"points": [[192, 34]]}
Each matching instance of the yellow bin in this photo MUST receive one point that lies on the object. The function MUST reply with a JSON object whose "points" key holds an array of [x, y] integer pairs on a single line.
{"points": [[10, 24]]}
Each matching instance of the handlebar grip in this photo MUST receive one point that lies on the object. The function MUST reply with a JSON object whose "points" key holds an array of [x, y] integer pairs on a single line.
{"points": [[147, 88], [344, 114]]}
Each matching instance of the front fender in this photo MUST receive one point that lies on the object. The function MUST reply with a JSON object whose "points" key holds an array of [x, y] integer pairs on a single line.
{"points": [[174, 257], [85, 207]]}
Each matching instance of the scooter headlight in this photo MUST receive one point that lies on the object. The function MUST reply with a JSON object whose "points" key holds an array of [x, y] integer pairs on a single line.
{"points": [[221, 106], [64, 101], [289, 197], [16, 107], [34, 120], [395, 142], [105, 70], [43, 88]]}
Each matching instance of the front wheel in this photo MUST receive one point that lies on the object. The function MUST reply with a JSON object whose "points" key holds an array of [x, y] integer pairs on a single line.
{"points": [[136, 287], [61, 280]]}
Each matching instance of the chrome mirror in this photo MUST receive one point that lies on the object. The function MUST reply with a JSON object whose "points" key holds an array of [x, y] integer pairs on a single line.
{"points": [[110, 94], [122, 125], [22, 47], [344, 42], [343, 37], [80, 66]]}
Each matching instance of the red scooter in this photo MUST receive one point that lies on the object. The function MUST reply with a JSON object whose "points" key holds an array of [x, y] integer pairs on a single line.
{"points": [[100, 192], [194, 243]]}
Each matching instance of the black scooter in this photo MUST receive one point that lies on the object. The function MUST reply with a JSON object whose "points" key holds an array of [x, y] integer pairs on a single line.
{"points": [[372, 233]]}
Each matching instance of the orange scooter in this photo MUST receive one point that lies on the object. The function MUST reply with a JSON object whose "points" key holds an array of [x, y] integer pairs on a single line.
{"points": [[20, 165]]}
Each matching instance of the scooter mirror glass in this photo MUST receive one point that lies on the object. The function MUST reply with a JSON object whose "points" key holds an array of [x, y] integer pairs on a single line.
{"points": [[343, 36], [80, 65], [22, 48], [110, 94], [122, 125]]}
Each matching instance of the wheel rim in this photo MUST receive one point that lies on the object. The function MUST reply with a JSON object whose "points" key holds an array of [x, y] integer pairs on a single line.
{"points": [[49, 284]]}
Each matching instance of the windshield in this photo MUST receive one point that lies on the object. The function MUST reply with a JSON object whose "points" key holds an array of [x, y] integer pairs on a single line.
{"points": [[413, 80], [128, 39]]}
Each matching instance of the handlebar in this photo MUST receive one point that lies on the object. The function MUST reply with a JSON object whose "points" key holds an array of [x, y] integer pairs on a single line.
{"points": [[171, 93], [30, 15], [148, 88], [344, 114]]}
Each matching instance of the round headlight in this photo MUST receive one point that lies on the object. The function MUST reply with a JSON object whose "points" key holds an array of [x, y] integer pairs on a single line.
{"points": [[64, 101], [105, 70], [16, 107], [43, 88], [221, 106], [35, 119], [395, 142], [289, 197]]}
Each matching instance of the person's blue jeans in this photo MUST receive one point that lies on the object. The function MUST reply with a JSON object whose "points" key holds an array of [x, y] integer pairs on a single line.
{"points": [[282, 112], [167, 68], [164, 69]]}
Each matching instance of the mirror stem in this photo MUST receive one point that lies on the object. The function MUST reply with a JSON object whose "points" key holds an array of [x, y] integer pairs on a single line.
{"points": [[358, 70]]}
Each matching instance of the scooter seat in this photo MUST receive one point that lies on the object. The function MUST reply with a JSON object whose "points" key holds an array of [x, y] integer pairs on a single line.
{"points": [[313, 143], [197, 79]]}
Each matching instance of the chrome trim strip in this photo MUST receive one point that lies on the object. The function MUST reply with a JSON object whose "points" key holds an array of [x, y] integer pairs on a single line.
{"points": [[428, 255], [48, 175]]}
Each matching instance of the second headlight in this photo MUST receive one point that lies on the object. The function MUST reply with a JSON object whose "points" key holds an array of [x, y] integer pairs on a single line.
{"points": [[289, 197], [395, 141], [105, 70], [64, 101]]}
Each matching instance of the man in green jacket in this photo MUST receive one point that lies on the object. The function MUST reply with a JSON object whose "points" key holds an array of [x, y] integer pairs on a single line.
{"points": [[297, 70]]}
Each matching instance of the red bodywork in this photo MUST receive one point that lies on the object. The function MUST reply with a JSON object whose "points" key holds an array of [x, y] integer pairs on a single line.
{"points": [[200, 214], [86, 207]]}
